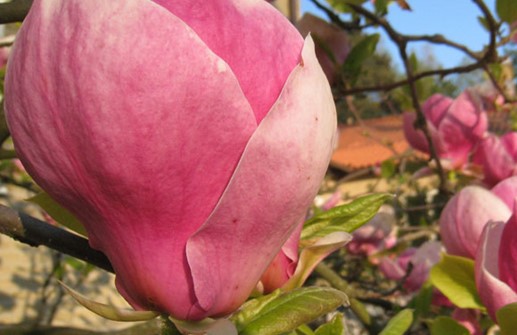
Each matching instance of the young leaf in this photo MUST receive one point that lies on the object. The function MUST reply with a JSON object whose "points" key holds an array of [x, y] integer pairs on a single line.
{"points": [[334, 327], [507, 10], [454, 277], [354, 61], [312, 255], [506, 319], [110, 312], [399, 323], [446, 325], [345, 218], [58, 213], [280, 313]]}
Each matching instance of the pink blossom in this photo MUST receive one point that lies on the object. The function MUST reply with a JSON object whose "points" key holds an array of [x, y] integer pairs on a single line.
{"points": [[496, 270], [455, 126], [421, 259], [468, 318], [378, 234], [464, 217], [506, 190], [189, 149], [497, 157]]}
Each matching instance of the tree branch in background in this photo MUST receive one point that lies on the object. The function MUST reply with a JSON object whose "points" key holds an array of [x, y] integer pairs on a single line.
{"points": [[29, 230], [14, 11], [482, 60]]}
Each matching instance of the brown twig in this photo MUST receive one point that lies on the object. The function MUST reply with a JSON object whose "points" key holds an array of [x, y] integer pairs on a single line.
{"points": [[29, 230]]}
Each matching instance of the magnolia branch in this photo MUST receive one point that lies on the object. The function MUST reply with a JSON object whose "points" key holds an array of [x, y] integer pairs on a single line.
{"points": [[34, 232]]}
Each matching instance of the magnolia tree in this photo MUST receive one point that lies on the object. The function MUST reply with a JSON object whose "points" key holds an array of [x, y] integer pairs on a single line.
{"points": [[180, 145]]}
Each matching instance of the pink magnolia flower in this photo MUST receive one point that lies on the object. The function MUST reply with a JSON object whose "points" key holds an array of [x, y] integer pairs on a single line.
{"points": [[188, 148], [378, 234], [468, 318], [506, 190], [332, 43], [464, 217], [455, 126], [497, 156], [496, 265], [422, 260]]}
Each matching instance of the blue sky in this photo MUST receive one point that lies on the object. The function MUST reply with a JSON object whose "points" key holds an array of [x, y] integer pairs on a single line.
{"points": [[455, 19]]}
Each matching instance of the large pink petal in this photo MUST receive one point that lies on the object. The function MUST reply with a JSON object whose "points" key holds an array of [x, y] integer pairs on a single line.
{"points": [[508, 254], [276, 181], [127, 118], [464, 217], [255, 39], [493, 292]]}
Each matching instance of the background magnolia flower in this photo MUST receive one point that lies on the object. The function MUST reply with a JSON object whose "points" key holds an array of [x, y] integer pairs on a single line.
{"points": [[191, 161], [496, 259], [378, 234], [422, 260], [468, 318], [506, 190], [497, 156], [455, 126], [464, 217]]}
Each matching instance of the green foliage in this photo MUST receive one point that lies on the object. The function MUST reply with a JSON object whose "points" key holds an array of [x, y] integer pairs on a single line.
{"points": [[454, 277], [421, 303], [341, 5], [446, 325], [381, 7], [345, 218], [279, 313], [334, 327], [507, 10], [507, 320], [58, 213], [399, 324], [353, 63]]}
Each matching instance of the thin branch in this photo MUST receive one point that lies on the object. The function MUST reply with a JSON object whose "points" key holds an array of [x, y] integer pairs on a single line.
{"points": [[29, 230], [14, 11]]}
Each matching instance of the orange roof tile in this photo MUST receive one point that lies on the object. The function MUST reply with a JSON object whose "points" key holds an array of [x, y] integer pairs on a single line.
{"points": [[369, 143]]}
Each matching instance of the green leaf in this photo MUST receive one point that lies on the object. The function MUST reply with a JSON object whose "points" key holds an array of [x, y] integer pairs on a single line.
{"points": [[381, 7], [280, 313], [507, 10], [303, 330], [345, 218], [421, 303], [454, 276], [446, 325], [351, 68], [388, 168], [506, 319], [58, 213], [399, 323], [334, 327], [108, 311]]}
